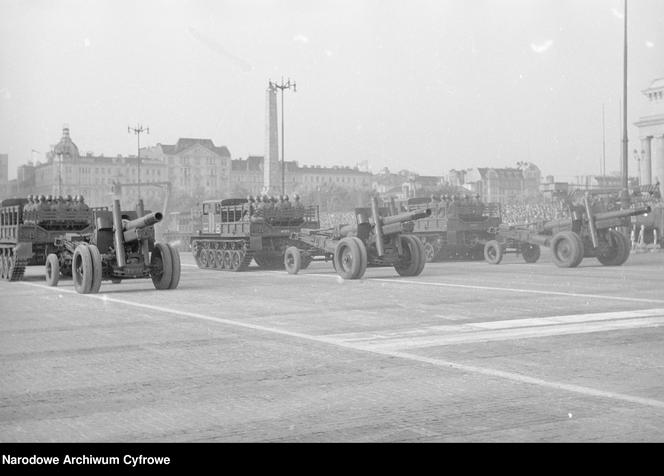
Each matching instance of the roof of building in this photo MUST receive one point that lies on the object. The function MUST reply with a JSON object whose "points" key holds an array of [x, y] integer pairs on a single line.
{"points": [[185, 143]]}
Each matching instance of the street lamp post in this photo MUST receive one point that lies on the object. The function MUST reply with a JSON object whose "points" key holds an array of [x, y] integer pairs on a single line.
{"points": [[138, 130], [282, 86], [625, 174]]}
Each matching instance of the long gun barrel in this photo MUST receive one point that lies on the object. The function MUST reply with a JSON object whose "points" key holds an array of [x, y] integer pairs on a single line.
{"points": [[144, 221], [629, 212], [118, 238], [407, 216], [132, 228]]}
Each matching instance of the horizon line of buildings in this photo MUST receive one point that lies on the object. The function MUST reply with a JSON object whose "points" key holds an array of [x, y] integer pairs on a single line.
{"points": [[199, 167]]}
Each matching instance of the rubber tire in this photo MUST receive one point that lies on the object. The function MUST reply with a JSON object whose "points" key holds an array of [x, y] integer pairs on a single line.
{"points": [[51, 270], [417, 259], [530, 252], [82, 279], [493, 252], [364, 259], [96, 269], [292, 260], [176, 267], [566, 249], [354, 254], [622, 250], [161, 255]]}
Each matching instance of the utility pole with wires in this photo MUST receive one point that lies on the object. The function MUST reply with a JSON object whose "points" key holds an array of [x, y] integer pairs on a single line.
{"points": [[138, 130], [283, 86]]}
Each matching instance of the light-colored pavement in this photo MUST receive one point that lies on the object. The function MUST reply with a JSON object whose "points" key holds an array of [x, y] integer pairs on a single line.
{"points": [[465, 352]]}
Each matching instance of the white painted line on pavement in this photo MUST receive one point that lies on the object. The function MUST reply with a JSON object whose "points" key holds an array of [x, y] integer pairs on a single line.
{"points": [[495, 288], [587, 391], [436, 340]]}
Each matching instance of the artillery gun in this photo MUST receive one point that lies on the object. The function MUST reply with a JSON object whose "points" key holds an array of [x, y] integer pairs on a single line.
{"points": [[374, 240], [457, 228], [584, 234], [121, 245]]}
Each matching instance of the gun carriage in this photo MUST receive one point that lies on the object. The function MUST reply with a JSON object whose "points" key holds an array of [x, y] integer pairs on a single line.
{"points": [[120, 245], [586, 233], [376, 239], [234, 231]]}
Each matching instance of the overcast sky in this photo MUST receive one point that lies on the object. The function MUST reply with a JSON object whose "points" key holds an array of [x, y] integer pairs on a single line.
{"points": [[427, 85]]}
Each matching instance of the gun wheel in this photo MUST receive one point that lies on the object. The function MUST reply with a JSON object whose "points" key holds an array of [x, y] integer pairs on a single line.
{"points": [[96, 269], [618, 250], [567, 249], [412, 262], [493, 252], [81, 267], [348, 258], [52, 270], [292, 260], [530, 252], [161, 266]]}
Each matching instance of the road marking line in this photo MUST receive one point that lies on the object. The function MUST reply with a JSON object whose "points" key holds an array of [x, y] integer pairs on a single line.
{"points": [[396, 280], [507, 334], [586, 391]]}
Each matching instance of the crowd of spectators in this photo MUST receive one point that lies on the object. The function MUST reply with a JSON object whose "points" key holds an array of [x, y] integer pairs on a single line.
{"points": [[521, 213]]}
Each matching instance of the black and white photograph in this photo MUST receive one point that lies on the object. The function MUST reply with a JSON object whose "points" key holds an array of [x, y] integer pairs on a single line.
{"points": [[329, 221]]}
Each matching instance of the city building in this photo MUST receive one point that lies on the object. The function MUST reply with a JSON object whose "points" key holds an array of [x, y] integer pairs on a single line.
{"points": [[650, 158], [499, 184], [4, 175], [194, 165]]}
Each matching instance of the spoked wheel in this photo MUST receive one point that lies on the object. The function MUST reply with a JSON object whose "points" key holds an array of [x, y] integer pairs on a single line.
{"points": [[567, 249], [429, 252], [493, 252], [202, 259], [81, 267], [219, 259], [413, 260], [348, 258], [292, 260], [236, 260], [530, 252], [617, 251]]}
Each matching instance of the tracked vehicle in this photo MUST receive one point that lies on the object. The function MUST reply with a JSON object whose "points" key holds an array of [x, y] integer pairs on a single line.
{"points": [[234, 231], [28, 230]]}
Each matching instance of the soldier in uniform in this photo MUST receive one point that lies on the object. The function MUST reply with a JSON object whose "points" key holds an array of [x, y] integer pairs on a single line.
{"points": [[279, 205], [69, 204], [83, 205], [269, 203], [297, 206], [287, 204], [60, 205]]}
